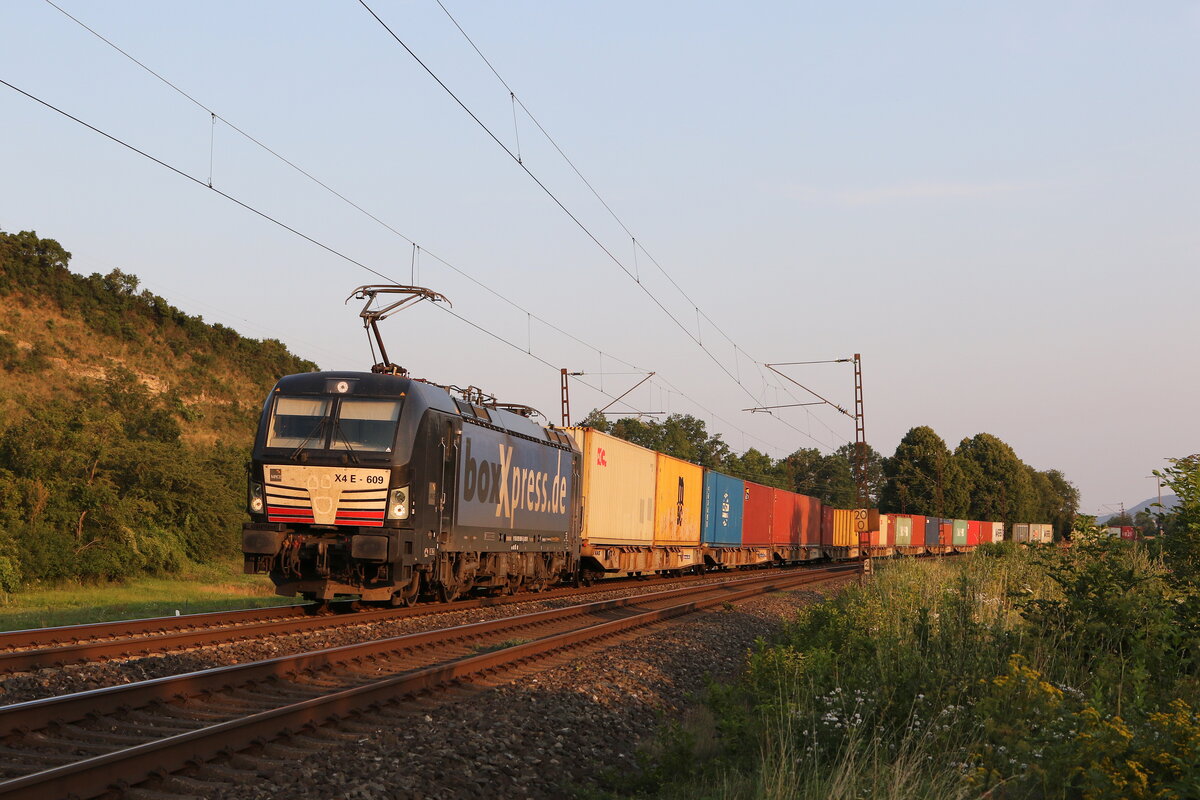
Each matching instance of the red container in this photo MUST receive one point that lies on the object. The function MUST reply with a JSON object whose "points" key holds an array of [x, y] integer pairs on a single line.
{"points": [[827, 526], [785, 525], [1128, 532], [946, 533], [974, 529], [808, 516], [757, 510], [918, 524]]}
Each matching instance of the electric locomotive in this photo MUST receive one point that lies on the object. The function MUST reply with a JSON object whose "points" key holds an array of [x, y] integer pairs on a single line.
{"points": [[384, 487]]}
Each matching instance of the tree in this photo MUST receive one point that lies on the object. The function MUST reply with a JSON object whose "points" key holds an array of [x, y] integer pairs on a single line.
{"points": [[825, 477], [1002, 489], [923, 477], [1058, 500], [1181, 542], [596, 420], [875, 478], [1121, 520], [754, 465]]}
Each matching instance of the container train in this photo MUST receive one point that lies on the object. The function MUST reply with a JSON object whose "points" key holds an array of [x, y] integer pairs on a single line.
{"points": [[389, 489]]}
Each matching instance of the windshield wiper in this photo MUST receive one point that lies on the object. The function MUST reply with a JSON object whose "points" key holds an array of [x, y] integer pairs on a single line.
{"points": [[337, 431], [315, 431]]}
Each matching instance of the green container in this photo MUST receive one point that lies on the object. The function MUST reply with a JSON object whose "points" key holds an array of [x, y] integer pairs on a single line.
{"points": [[960, 532], [903, 528]]}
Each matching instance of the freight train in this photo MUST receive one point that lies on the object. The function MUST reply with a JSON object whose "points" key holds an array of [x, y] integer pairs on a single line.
{"points": [[390, 489]]}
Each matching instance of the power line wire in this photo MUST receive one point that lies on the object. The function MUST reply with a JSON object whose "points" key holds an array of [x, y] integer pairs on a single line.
{"points": [[214, 116], [695, 338], [302, 171], [279, 223]]}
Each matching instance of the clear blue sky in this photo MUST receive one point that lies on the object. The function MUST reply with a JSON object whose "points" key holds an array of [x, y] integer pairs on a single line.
{"points": [[996, 204]]}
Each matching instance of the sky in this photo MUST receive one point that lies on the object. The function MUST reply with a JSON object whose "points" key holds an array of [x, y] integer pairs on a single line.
{"points": [[996, 205]]}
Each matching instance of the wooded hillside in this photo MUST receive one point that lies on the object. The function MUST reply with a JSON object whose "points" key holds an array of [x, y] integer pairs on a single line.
{"points": [[125, 423]]}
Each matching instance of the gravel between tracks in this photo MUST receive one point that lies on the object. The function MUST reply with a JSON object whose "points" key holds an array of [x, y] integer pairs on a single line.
{"points": [[50, 682], [544, 732]]}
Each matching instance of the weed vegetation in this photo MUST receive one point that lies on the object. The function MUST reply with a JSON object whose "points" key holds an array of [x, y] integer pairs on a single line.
{"points": [[125, 426], [1040, 672]]}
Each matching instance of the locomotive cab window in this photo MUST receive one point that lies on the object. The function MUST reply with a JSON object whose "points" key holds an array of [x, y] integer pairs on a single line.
{"points": [[368, 425], [298, 422]]}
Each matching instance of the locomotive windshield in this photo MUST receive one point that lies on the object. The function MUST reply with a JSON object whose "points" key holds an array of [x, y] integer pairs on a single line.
{"points": [[358, 424], [366, 425]]}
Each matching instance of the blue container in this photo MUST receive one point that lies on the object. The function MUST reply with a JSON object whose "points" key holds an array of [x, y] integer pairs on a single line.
{"points": [[933, 529], [723, 502]]}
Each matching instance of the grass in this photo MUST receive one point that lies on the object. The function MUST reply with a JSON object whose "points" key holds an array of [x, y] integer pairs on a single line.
{"points": [[1035, 674], [217, 587]]}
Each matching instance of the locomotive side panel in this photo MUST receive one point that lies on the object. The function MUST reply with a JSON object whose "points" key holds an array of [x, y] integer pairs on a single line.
{"points": [[510, 493]]}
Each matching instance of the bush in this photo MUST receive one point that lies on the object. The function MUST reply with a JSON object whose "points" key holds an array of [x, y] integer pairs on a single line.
{"points": [[1014, 673]]}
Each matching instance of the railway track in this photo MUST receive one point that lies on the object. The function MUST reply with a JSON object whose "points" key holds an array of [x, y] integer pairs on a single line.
{"points": [[22, 651], [80, 745]]}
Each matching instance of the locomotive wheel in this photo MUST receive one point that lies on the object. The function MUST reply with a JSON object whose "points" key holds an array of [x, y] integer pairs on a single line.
{"points": [[407, 595], [448, 593], [315, 607]]}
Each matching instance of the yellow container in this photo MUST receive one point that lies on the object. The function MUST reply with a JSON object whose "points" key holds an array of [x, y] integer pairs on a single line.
{"points": [[677, 502], [844, 534], [618, 489]]}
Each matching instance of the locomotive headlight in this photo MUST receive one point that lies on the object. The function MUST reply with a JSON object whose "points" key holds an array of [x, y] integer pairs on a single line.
{"points": [[398, 505], [256, 498]]}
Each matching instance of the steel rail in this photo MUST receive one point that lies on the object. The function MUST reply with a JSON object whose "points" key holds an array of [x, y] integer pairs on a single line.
{"points": [[112, 640], [91, 776], [41, 637]]}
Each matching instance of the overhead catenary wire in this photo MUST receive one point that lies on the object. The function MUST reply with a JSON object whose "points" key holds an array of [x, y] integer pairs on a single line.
{"points": [[636, 244], [264, 215], [634, 275], [334, 192], [530, 316], [554, 197]]}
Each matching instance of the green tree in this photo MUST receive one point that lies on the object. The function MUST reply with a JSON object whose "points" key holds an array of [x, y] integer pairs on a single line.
{"points": [[1058, 501], [754, 465], [923, 477], [1002, 489], [1181, 543], [1121, 520], [875, 479], [825, 477]]}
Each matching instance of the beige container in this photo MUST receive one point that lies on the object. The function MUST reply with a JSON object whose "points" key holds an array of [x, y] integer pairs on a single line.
{"points": [[618, 489], [844, 534], [677, 502], [997, 531]]}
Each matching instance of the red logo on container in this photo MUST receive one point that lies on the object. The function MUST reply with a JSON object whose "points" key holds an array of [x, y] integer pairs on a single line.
{"points": [[600, 460]]}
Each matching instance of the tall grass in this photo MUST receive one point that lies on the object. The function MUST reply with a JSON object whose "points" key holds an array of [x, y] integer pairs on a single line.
{"points": [[1007, 674]]}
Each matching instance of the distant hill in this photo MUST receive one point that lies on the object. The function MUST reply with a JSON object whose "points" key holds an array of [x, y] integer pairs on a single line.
{"points": [[60, 332], [1169, 501], [125, 424]]}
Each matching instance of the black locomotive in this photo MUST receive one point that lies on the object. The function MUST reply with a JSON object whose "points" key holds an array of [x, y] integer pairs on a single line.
{"points": [[388, 488]]}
